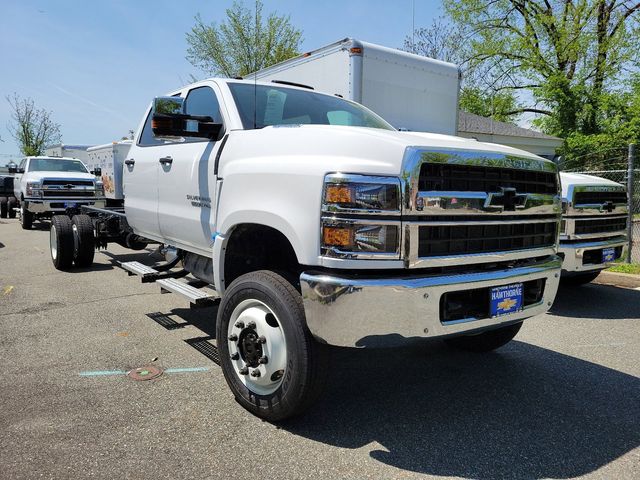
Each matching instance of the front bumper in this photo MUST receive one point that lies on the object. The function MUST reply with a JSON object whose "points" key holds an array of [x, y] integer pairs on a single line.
{"points": [[58, 205], [356, 311], [578, 257]]}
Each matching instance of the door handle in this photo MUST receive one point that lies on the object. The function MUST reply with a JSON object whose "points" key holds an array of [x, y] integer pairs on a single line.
{"points": [[166, 160], [130, 162]]}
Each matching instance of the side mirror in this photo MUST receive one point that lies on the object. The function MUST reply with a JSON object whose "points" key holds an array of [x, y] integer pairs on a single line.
{"points": [[169, 120], [13, 169], [97, 172]]}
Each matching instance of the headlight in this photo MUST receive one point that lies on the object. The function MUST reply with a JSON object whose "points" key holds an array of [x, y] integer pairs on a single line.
{"points": [[361, 194], [354, 239], [33, 189], [99, 189]]}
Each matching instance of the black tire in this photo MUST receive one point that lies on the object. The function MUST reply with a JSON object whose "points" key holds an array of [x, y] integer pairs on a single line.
{"points": [[13, 204], [83, 240], [4, 205], [26, 218], [61, 242], [485, 341], [306, 360], [578, 279]]}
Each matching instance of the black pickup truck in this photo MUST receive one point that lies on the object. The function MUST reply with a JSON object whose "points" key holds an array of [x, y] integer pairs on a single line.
{"points": [[8, 202]]}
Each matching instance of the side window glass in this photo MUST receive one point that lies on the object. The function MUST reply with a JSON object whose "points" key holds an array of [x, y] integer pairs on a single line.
{"points": [[147, 139], [23, 163], [203, 101]]}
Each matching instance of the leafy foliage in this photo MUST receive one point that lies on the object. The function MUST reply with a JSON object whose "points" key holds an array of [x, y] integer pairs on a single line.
{"points": [[244, 43], [567, 54], [500, 106], [33, 128]]}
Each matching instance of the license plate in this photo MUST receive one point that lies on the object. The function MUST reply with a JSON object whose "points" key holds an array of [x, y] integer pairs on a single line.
{"points": [[506, 299], [608, 255]]}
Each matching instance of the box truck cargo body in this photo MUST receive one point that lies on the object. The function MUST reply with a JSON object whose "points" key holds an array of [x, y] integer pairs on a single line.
{"points": [[409, 91], [110, 159]]}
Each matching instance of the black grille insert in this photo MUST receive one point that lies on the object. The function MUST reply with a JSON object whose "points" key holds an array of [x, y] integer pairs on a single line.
{"points": [[443, 177], [590, 198], [468, 239], [475, 304], [601, 225], [68, 193], [82, 183], [594, 257]]}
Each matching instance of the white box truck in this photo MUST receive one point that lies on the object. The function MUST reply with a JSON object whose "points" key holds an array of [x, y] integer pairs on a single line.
{"points": [[410, 91], [109, 158]]}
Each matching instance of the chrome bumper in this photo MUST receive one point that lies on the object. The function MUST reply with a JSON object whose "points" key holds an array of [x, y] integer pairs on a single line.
{"points": [[347, 311], [573, 254], [39, 205]]}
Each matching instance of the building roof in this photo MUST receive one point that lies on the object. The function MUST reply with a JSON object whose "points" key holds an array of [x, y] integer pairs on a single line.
{"points": [[472, 123]]}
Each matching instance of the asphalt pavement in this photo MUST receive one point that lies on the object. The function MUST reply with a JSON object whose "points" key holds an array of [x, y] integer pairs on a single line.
{"points": [[560, 401]]}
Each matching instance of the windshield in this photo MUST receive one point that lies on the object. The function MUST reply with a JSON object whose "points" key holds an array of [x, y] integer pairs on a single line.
{"points": [[56, 165], [288, 106]]}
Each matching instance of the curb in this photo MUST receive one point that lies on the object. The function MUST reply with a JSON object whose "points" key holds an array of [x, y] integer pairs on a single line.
{"points": [[618, 279]]}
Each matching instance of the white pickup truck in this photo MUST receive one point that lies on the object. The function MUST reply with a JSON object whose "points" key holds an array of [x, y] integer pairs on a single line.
{"points": [[313, 221], [49, 185], [594, 225]]}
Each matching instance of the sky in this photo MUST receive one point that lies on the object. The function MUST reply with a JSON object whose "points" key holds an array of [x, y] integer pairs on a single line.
{"points": [[96, 65]]}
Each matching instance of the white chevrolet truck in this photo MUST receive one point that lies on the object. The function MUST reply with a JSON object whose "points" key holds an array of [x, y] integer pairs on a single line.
{"points": [[312, 221], [46, 186], [594, 225]]}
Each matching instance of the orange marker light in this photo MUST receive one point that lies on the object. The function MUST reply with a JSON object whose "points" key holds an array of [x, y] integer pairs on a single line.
{"points": [[338, 194], [337, 236]]}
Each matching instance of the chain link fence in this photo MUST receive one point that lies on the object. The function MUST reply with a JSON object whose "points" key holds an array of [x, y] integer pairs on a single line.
{"points": [[616, 167]]}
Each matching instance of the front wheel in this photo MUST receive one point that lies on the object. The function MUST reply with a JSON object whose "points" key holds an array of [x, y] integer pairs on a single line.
{"points": [[485, 341], [579, 278], [26, 218], [270, 360]]}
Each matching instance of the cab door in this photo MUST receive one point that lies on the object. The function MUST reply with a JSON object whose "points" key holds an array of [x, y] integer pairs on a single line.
{"points": [[140, 181], [187, 181]]}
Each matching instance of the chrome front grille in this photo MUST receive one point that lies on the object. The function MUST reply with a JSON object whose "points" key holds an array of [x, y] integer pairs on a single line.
{"points": [[474, 238], [470, 207], [601, 225], [473, 178], [61, 188], [596, 200]]}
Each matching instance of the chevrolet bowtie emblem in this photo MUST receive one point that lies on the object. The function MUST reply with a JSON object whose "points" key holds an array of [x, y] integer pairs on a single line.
{"points": [[608, 206], [506, 304], [508, 198]]}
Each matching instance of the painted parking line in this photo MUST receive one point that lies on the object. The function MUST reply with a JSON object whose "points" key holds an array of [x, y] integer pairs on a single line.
{"points": [[106, 373]]}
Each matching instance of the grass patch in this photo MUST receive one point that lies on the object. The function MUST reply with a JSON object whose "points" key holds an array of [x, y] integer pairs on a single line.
{"points": [[633, 268]]}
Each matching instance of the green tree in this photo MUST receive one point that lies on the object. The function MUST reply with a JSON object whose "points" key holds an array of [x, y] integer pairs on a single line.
{"points": [[566, 53], [500, 106], [33, 128], [244, 43]]}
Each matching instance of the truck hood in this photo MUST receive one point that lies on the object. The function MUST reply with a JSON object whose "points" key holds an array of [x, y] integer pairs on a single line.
{"points": [[38, 176], [572, 179], [329, 148]]}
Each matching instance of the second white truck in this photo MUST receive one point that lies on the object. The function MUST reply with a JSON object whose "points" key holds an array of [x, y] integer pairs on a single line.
{"points": [[593, 233]]}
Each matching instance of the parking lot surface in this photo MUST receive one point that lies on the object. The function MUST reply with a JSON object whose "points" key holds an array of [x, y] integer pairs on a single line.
{"points": [[560, 401]]}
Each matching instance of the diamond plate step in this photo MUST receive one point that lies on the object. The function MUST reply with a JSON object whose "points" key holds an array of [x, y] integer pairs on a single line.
{"points": [[195, 295], [137, 268]]}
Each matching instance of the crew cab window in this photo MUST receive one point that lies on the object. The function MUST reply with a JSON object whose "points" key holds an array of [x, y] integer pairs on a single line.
{"points": [[56, 165], [264, 105], [202, 101]]}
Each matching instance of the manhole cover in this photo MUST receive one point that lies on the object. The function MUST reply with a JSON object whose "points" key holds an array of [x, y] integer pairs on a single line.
{"points": [[148, 372]]}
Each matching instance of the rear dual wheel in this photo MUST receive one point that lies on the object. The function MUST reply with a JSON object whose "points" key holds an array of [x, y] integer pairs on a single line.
{"points": [[4, 205], [12, 204], [71, 241], [269, 358]]}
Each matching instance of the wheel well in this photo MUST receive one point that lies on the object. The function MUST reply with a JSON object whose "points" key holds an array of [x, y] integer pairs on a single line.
{"points": [[254, 247]]}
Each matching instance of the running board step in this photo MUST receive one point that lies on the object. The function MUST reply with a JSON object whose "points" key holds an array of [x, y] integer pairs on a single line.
{"points": [[196, 296], [137, 268]]}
